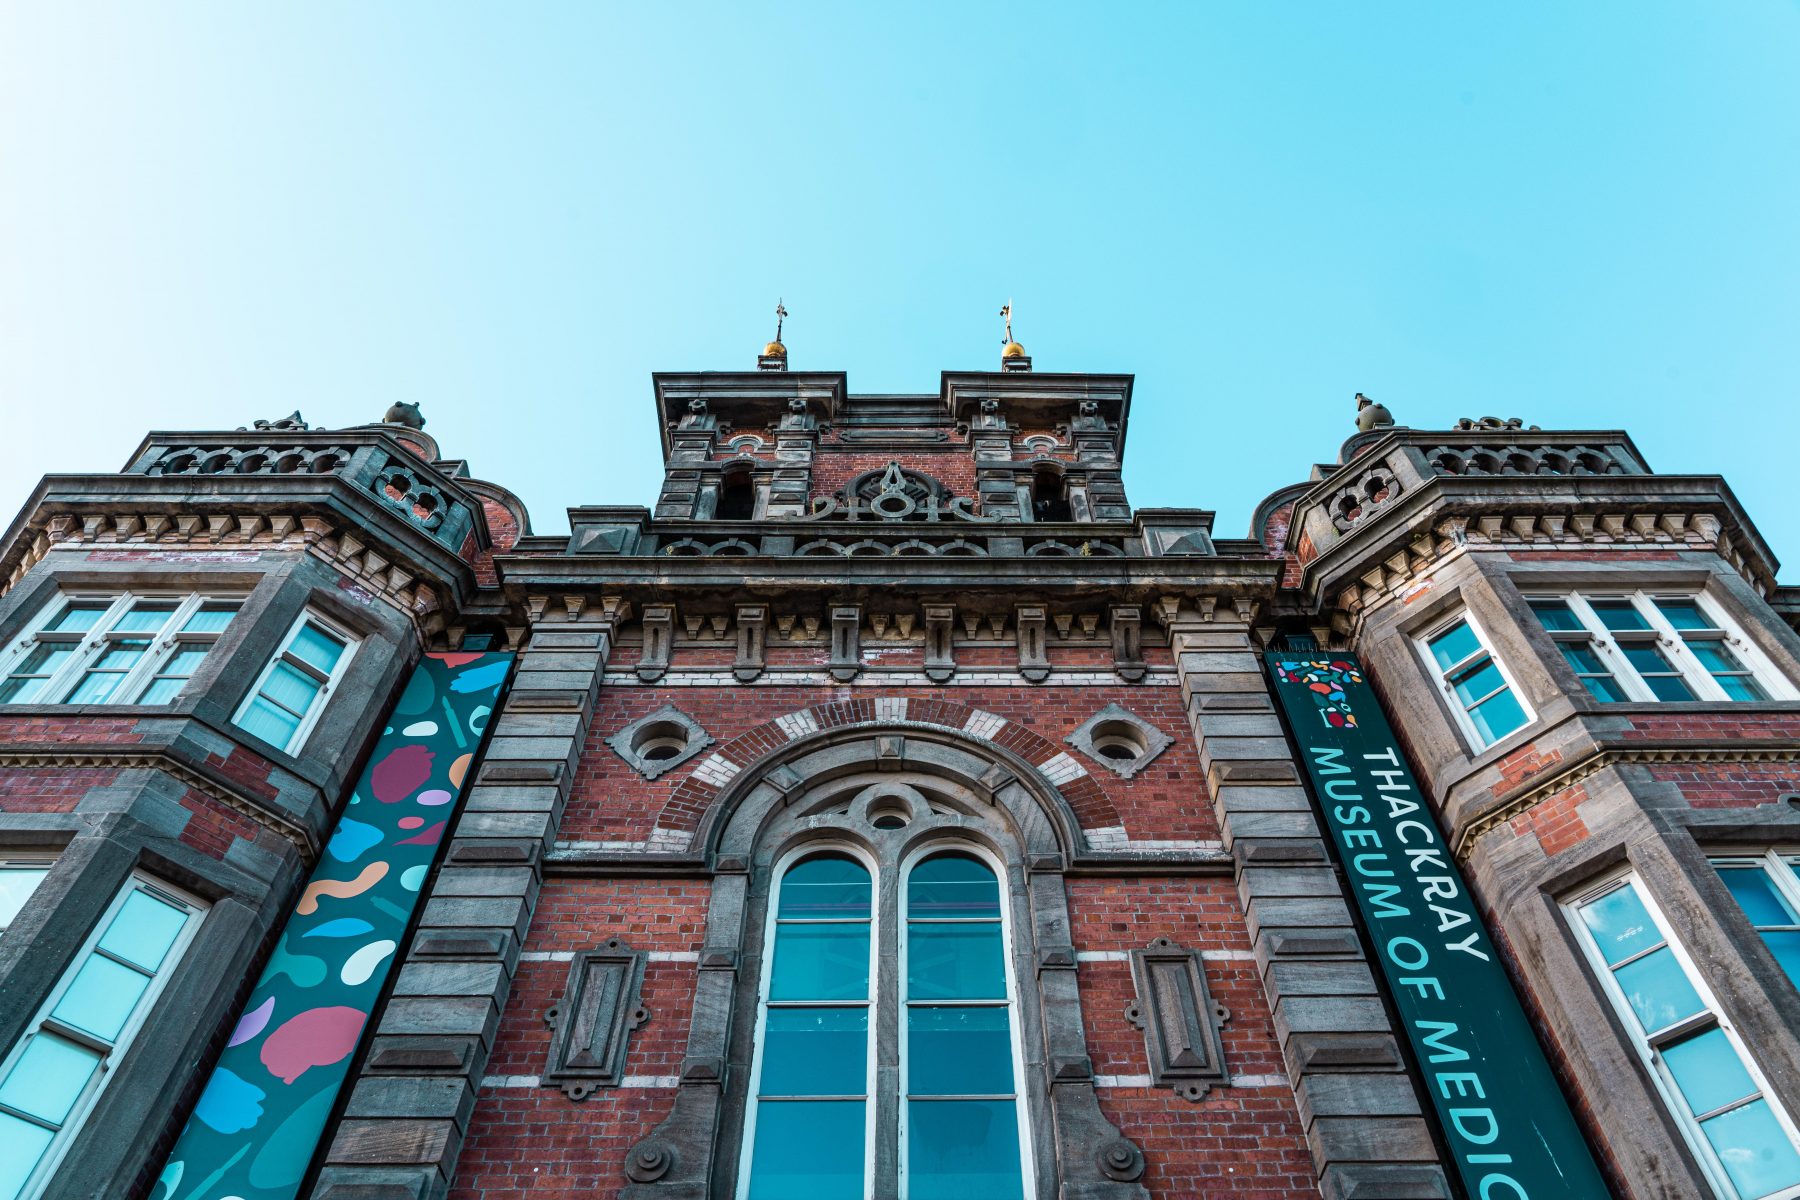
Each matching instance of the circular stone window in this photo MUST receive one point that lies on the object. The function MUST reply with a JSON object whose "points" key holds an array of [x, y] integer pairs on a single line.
{"points": [[1120, 741], [659, 741], [890, 813]]}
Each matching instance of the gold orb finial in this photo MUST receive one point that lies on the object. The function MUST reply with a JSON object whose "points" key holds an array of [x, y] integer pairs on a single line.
{"points": [[774, 350], [1012, 350]]}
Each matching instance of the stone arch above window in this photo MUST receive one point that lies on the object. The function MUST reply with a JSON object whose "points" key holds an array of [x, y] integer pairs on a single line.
{"points": [[891, 797]]}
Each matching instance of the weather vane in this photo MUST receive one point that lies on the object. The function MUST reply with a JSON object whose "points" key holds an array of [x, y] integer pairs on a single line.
{"points": [[1006, 311], [780, 316]]}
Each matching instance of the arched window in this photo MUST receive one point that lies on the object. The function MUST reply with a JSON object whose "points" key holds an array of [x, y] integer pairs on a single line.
{"points": [[1050, 496], [960, 1129], [810, 1118], [737, 497], [955, 1125]]}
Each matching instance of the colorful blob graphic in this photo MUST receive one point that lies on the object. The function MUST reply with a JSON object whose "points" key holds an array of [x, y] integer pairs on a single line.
{"points": [[481, 678], [432, 836], [401, 773], [304, 969], [343, 889], [1324, 680], [268, 1100], [351, 840], [252, 1022], [359, 966], [229, 1104], [317, 1037]]}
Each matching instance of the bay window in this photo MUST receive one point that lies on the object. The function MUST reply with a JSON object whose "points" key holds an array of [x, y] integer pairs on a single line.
{"points": [[1649, 647], [1479, 690], [125, 648], [51, 1079], [1744, 1140], [19, 878], [1768, 890], [292, 690]]}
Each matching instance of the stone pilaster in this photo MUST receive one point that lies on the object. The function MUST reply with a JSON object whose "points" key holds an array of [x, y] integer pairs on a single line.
{"points": [[1363, 1121], [409, 1108]]}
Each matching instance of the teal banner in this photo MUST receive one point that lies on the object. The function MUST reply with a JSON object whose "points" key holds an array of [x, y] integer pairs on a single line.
{"points": [[254, 1131], [1502, 1113]]}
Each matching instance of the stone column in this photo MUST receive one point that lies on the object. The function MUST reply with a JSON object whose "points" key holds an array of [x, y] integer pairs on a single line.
{"points": [[410, 1105], [1363, 1121]]}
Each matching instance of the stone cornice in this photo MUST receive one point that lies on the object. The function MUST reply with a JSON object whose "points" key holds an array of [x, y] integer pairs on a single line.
{"points": [[1600, 757], [214, 784]]}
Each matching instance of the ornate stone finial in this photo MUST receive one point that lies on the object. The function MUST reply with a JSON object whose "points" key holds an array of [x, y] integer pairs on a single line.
{"points": [[292, 422], [402, 413], [774, 354], [1371, 415]]}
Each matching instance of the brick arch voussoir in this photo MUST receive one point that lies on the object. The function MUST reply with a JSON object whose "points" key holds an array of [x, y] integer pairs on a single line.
{"points": [[695, 795]]}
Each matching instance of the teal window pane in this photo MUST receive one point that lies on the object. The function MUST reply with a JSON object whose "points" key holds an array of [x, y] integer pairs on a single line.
{"points": [[184, 662], [1786, 949], [820, 962], [1715, 656], [1708, 1071], [22, 1145], [46, 658], [815, 1052], [830, 886], [1496, 717], [274, 725], [101, 998], [1658, 990], [955, 962], [16, 885], [1477, 681], [95, 687], [963, 1150], [49, 1078], [1670, 688], [1755, 893], [1582, 657], [1453, 645], [78, 618], [1684, 614], [1620, 924], [952, 885], [1556, 615], [290, 687], [121, 656], [145, 618], [144, 930], [1605, 687], [211, 619], [1756, 1153], [317, 648], [808, 1150], [1619, 614], [958, 1051], [161, 691], [1741, 687]]}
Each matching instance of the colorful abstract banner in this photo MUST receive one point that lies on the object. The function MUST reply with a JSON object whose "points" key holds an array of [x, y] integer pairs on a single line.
{"points": [[259, 1121], [1503, 1116]]}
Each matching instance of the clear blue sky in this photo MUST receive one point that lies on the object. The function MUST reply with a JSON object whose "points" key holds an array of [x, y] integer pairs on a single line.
{"points": [[1585, 215]]}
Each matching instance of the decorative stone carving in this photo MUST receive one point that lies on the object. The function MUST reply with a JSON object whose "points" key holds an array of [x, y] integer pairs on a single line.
{"points": [[846, 643], [592, 1023], [1120, 740], [1034, 660], [250, 460], [659, 641], [658, 742], [1523, 460], [1179, 1019], [399, 484], [1127, 642], [752, 639], [940, 651], [1371, 491]]}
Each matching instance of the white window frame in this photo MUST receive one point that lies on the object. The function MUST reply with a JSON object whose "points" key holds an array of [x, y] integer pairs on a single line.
{"points": [[1673, 644], [1021, 1105], [46, 860], [1442, 676], [1782, 867], [113, 1055], [328, 684], [91, 645], [871, 1098], [1647, 1051]]}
